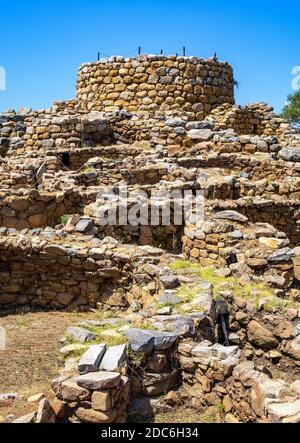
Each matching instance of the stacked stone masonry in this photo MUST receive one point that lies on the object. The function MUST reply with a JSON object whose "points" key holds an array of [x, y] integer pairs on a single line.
{"points": [[155, 84]]}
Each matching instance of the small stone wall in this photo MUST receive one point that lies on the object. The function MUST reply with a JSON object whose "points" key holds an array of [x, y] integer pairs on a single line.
{"points": [[260, 247], [53, 131], [34, 209], [41, 273], [99, 397], [216, 376], [155, 84]]}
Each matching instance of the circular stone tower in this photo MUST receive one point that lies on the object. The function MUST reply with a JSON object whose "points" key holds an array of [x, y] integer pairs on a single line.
{"points": [[155, 84]]}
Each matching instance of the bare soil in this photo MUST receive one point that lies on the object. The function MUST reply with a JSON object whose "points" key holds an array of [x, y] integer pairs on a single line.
{"points": [[30, 360]]}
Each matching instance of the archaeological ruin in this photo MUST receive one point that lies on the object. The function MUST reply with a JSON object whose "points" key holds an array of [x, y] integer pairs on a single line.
{"points": [[204, 312]]}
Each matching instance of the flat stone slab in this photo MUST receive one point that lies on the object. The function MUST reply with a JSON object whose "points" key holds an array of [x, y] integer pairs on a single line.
{"points": [[163, 340], [282, 255], [114, 358], [169, 299], [99, 380], [202, 350], [169, 280], [140, 341], [81, 334], [200, 134], [231, 215], [182, 326], [146, 341], [91, 359]]}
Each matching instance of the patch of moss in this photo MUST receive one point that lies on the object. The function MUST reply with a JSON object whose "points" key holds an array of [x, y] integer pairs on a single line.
{"points": [[184, 264], [256, 293]]}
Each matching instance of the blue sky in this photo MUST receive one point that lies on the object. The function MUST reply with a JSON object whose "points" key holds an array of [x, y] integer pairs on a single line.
{"points": [[43, 43]]}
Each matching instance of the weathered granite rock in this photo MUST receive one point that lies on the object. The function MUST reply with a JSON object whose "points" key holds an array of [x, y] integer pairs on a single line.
{"points": [[231, 215], [183, 326], [84, 225], [156, 384], [80, 334], [102, 401], [91, 359], [68, 390], [99, 380], [169, 280], [140, 341], [293, 349], [30, 418], [114, 358], [146, 341], [200, 135], [45, 413], [282, 255], [260, 336], [91, 416], [163, 340], [169, 299], [279, 411], [36, 398], [290, 154]]}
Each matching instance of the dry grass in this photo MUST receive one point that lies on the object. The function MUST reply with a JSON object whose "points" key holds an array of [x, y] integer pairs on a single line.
{"points": [[30, 360], [184, 414]]}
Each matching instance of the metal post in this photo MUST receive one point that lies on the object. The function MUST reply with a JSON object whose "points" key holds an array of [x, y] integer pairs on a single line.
{"points": [[184, 51], [139, 50], [98, 56], [161, 52]]}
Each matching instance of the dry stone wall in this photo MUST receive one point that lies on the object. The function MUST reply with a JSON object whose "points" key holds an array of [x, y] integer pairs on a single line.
{"points": [[42, 270], [155, 84]]}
